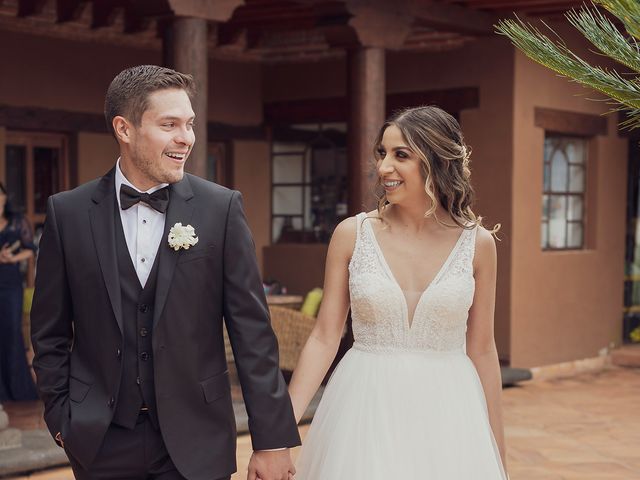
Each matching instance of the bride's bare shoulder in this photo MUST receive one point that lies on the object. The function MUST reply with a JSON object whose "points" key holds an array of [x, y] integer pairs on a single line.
{"points": [[343, 240], [346, 230]]}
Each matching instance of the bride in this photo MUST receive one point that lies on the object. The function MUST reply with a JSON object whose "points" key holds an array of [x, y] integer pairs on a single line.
{"points": [[418, 395]]}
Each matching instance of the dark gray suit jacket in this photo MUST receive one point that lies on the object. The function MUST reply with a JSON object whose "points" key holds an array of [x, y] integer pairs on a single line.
{"points": [[77, 328]]}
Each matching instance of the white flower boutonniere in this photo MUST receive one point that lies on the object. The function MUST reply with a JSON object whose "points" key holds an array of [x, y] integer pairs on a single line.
{"points": [[182, 236]]}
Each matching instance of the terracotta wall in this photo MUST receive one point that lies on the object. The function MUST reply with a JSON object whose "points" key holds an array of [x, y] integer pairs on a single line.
{"points": [[46, 74], [51, 73], [320, 79], [252, 177], [486, 64], [565, 305], [97, 153]]}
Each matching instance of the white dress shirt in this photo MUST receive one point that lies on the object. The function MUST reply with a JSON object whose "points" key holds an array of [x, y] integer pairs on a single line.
{"points": [[143, 228]]}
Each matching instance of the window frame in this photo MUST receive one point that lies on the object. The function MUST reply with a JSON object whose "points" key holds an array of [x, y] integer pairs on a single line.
{"points": [[566, 193]]}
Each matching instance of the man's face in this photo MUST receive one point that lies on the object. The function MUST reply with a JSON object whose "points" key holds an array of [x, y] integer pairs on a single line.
{"points": [[160, 145]]}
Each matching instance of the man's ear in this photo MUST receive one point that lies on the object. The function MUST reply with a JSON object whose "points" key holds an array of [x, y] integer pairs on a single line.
{"points": [[122, 129]]}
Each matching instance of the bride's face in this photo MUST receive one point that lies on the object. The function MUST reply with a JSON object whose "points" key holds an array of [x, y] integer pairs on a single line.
{"points": [[399, 168]]}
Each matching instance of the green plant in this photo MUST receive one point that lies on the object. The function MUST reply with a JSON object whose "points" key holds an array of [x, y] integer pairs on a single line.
{"points": [[598, 28]]}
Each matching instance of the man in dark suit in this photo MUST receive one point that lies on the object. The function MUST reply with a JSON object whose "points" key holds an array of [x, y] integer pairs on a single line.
{"points": [[136, 271]]}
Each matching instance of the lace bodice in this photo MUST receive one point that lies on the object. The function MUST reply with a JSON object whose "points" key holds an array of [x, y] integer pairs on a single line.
{"points": [[379, 308]]}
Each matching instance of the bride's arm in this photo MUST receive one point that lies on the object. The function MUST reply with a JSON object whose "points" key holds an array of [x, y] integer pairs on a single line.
{"points": [[481, 346], [322, 345]]}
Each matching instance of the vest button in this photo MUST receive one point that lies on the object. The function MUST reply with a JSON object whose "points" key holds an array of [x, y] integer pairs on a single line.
{"points": [[144, 356], [118, 354], [144, 308], [143, 332], [138, 380], [111, 402]]}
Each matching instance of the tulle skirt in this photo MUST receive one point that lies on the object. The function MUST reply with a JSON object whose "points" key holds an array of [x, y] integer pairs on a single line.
{"points": [[401, 415]]}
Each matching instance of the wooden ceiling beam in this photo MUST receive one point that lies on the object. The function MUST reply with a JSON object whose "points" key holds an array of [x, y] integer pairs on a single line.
{"points": [[218, 11], [520, 5], [105, 12], [67, 10], [451, 18], [30, 7]]}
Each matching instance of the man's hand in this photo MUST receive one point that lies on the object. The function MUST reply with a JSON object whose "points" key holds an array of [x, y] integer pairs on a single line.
{"points": [[271, 465]]}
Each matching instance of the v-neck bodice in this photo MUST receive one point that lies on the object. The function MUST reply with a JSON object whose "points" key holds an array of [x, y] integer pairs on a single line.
{"points": [[379, 310]]}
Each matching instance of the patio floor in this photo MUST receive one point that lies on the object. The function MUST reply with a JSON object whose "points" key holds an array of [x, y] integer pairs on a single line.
{"points": [[581, 428]]}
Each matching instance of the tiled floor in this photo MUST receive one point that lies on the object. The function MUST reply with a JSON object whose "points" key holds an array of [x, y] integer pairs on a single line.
{"points": [[581, 428]]}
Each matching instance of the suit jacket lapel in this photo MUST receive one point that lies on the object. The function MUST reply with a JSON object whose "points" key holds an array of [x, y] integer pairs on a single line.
{"points": [[102, 216], [180, 211]]}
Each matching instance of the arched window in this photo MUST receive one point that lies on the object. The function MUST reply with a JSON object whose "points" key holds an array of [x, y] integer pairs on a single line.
{"points": [[563, 199]]}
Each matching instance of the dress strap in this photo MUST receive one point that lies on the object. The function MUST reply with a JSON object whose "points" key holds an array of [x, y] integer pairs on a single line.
{"points": [[360, 226], [472, 244]]}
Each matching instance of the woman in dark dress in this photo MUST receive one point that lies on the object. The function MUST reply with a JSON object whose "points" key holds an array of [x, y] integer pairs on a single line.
{"points": [[16, 245]]}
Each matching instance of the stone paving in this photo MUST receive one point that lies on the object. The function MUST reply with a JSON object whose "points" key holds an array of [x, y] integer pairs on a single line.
{"points": [[585, 427]]}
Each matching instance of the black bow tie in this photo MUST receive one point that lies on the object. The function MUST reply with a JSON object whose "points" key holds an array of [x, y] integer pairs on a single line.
{"points": [[158, 200]]}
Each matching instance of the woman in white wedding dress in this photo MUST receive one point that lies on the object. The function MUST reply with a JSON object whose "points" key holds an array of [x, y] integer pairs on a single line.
{"points": [[418, 395]]}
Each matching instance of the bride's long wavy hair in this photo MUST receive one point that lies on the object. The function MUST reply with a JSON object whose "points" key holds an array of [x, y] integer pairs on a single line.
{"points": [[436, 137]]}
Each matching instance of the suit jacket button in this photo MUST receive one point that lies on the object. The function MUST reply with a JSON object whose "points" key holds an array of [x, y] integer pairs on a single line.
{"points": [[111, 402], [118, 354]]}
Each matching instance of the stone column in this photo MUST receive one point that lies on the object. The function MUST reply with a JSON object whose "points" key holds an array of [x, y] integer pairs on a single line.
{"points": [[185, 50], [366, 93]]}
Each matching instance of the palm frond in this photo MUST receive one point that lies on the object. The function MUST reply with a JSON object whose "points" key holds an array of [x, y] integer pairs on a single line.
{"points": [[556, 56], [604, 35], [627, 11]]}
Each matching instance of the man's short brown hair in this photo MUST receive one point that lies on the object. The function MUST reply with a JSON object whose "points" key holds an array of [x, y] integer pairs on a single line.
{"points": [[128, 93]]}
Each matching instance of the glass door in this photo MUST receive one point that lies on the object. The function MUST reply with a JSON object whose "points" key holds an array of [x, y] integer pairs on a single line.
{"points": [[631, 327], [36, 167]]}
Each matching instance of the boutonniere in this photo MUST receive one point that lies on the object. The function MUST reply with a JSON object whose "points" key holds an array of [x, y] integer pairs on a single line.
{"points": [[182, 236]]}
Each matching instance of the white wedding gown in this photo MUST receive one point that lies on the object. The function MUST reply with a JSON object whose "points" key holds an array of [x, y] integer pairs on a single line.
{"points": [[406, 402]]}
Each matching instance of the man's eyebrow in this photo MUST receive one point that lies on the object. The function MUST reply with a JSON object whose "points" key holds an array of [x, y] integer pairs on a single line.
{"points": [[173, 117]]}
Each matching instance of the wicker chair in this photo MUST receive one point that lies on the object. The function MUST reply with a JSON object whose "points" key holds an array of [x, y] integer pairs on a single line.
{"points": [[292, 328]]}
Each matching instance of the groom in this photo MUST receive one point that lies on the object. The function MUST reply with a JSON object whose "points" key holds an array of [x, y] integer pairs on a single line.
{"points": [[128, 311]]}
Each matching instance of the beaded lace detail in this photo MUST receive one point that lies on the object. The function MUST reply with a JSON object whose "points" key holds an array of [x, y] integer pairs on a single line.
{"points": [[379, 308]]}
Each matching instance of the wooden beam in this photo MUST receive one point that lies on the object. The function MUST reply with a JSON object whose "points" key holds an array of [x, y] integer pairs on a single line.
{"points": [[450, 18], [219, 10], [571, 123], [63, 121], [67, 10], [44, 119], [134, 22], [105, 12], [452, 100], [30, 7], [334, 109]]}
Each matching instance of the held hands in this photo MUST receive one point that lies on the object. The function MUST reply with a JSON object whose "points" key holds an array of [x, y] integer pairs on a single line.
{"points": [[271, 465]]}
